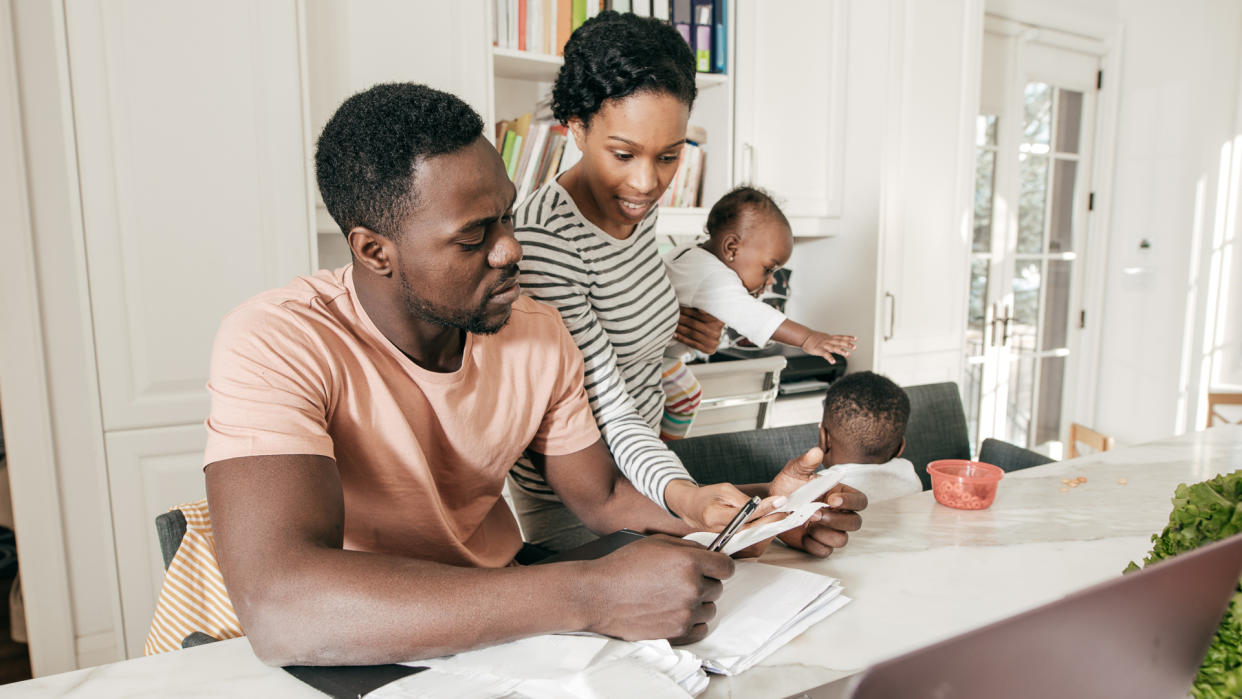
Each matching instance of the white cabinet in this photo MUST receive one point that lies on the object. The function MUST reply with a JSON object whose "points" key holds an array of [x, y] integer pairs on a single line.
{"points": [[149, 472], [193, 180], [354, 45], [790, 123], [926, 200]]}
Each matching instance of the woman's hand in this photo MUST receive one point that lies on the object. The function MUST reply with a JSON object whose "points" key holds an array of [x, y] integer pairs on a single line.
{"points": [[698, 329], [709, 508], [825, 345]]}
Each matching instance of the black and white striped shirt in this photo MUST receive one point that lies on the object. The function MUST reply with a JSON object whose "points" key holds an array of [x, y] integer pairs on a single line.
{"points": [[618, 304]]}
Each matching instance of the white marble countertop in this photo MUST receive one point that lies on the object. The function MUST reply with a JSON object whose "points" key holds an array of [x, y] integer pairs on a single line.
{"points": [[918, 572]]}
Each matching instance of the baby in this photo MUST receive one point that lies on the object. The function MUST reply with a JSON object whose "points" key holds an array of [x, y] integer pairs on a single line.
{"points": [[865, 417], [748, 240]]}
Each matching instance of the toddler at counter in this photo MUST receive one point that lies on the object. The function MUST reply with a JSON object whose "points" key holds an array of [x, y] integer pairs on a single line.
{"points": [[863, 433]]}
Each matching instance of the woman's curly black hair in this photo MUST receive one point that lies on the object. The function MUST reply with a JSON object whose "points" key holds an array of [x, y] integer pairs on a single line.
{"points": [[614, 55], [370, 149], [725, 212]]}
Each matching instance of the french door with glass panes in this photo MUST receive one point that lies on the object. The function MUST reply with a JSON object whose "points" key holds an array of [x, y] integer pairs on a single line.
{"points": [[1032, 192]]}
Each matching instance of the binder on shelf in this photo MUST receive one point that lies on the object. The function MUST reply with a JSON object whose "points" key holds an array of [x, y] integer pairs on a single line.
{"points": [[642, 8], [659, 9], [592, 8], [704, 27], [622, 5], [720, 47], [683, 19]]}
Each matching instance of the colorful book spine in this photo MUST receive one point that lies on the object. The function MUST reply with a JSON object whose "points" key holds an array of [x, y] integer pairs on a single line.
{"points": [[506, 153], [521, 30], [580, 14], [564, 24]]}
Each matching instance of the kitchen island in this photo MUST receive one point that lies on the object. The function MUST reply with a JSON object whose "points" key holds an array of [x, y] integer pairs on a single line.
{"points": [[918, 572]]}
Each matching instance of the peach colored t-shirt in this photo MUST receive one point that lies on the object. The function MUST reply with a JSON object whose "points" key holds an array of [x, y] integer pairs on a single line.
{"points": [[422, 455]]}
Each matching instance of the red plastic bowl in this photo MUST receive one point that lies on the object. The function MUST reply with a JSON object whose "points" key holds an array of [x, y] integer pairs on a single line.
{"points": [[965, 485]]}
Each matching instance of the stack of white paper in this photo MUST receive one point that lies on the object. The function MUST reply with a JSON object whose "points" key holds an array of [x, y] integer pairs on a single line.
{"points": [[557, 667], [762, 608]]}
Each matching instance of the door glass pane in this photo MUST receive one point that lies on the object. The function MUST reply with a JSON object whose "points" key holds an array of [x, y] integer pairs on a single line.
{"points": [[1022, 328], [1037, 110], [1051, 383], [985, 175], [1018, 405], [1069, 120], [1061, 228], [978, 302], [973, 392], [1056, 305], [985, 130], [1032, 195]]}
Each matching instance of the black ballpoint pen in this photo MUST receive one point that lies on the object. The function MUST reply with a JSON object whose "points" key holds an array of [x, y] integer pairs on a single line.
{"points": [[738, 520]]}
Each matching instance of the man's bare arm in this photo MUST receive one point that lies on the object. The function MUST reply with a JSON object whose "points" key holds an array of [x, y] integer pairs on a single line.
{"points": [[302, 599]]}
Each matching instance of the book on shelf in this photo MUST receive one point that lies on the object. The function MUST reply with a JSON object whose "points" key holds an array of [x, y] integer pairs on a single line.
{"points": [[538, 26], [533, 152], [687, 185]]}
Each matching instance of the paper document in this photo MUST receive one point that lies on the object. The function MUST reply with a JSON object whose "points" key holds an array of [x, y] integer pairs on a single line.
{"points": [[560, 666], [762, 608], [799, 508]]}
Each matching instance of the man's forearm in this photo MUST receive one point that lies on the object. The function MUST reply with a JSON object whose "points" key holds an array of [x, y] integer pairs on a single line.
{"points": [[335, 607]]}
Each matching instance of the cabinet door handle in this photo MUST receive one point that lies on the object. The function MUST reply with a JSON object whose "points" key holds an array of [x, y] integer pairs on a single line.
{"points": [[748, 163], [892, 314]]}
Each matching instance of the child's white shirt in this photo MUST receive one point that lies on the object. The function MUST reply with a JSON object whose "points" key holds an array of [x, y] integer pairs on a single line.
{"points": [[702, 281], [881, 481]]}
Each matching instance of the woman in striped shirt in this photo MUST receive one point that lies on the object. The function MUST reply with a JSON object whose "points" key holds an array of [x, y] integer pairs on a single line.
{"points": [[589, 249]]}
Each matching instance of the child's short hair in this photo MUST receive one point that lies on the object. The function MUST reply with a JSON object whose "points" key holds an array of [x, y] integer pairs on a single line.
{"points": [[869, 410], [724, 212]]}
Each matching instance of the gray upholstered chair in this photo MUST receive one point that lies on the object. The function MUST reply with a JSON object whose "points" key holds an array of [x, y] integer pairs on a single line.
{"points": [[1010, 457], [937, 427], [752, 456]]}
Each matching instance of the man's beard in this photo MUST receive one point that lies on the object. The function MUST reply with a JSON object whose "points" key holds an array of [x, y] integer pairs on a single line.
{"points": [[470, 320]]}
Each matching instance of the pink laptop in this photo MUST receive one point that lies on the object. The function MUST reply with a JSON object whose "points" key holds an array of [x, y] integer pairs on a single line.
{"points": [[1138, 635]]}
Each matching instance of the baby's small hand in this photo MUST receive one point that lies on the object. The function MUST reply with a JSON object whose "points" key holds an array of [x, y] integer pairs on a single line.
{"points": [[824, 345]]}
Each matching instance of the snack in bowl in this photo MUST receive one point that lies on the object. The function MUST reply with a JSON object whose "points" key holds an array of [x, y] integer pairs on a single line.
{"points": [[965, 485]]}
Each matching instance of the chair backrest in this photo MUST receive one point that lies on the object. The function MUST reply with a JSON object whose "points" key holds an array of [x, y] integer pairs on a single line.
{"points": [[1010, 457], [1085, 435], [170, 530], [752, 456], [1217, 399], [937, 427]]}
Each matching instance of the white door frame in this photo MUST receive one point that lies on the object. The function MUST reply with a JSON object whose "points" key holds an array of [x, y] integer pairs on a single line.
{"points": [[29, 437], [1103, 39]]}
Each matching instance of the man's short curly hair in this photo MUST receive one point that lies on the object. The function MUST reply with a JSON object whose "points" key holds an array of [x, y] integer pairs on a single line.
{"points": [[614, 55], [870, 411], [725, 212], [372, 146]]}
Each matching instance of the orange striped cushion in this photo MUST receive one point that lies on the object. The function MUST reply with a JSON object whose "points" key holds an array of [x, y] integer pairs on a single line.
{"points": [[193, 597]]}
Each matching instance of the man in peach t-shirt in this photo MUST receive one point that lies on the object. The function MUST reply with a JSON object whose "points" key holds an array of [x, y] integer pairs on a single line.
{"points": [[363, 421]]}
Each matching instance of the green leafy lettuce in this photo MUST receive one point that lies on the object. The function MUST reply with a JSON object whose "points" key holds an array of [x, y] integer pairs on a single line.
{"points": [[1203, 513]]}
